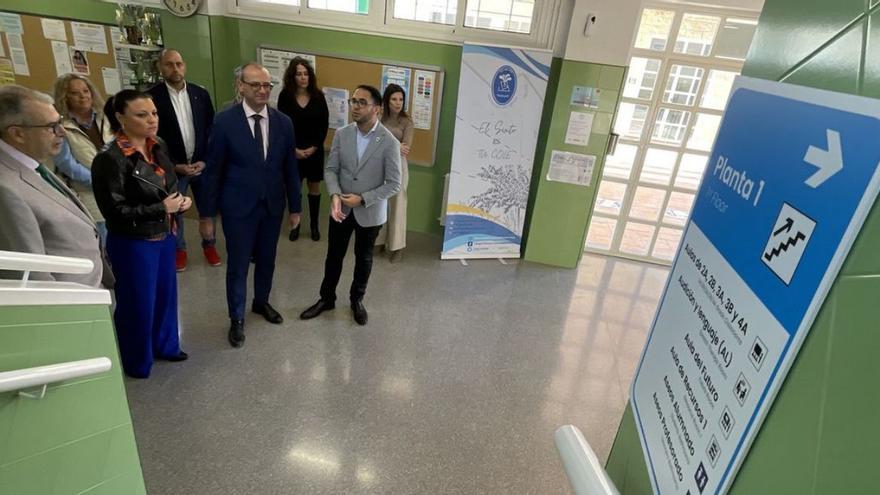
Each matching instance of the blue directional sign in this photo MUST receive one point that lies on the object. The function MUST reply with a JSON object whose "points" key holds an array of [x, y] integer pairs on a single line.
{"points": [[786, 189]]}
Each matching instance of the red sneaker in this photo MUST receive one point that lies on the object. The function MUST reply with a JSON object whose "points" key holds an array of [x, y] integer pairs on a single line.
{"points": [[180, 261], [211, 255]]}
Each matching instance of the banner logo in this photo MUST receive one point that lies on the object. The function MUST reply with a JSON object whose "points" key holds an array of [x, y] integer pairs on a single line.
{"points": [[504, 85]]}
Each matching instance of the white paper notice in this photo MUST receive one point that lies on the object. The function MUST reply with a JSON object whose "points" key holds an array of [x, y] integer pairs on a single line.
{"points": [[572, 168], [62, 57], [17, 54], [53, 29], [337, 104], [276, 62], [115, 36], [422, 99], [89, 37], [112, 83], [580, 125], [11, 23]]}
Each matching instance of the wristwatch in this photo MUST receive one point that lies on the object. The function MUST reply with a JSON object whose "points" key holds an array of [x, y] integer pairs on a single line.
{"points": [[363, 203]]}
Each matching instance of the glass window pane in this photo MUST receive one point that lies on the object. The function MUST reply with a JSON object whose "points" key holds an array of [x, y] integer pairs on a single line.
{"points": [[636, 238], [436, 11], [690, 171], [620, 164], [667, 243], [678, 208], [705, 129], [654, 29], [658, 166], [696, 35], [351, 6], [717, 89], [670, 126], [514, 16], [609, 199], [735, 38], [683, 84], [647, 203], [641, 79], [601, 233], [631, 120]]}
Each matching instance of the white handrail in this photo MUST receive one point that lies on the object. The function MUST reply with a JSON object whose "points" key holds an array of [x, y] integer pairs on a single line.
{"points": [[29, 262], [41, 376], [585, 472]]}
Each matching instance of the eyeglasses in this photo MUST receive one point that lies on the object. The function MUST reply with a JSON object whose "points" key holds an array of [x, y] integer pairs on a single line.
{"points": [[359, 102], [56, 127], [256, 86]]}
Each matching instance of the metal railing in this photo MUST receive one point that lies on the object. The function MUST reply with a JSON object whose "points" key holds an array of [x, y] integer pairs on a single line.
{"points": [[41, 376], [585, 472]]}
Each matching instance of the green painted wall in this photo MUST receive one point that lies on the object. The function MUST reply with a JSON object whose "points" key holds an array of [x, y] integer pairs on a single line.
{"points": [[822, 433], [79, 437], [560, 213]]}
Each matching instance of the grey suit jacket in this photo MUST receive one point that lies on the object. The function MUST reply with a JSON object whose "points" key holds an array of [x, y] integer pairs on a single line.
{"points": [[36, 218], [375, 177]]}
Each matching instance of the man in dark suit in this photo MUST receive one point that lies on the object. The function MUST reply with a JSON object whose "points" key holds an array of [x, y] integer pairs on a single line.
{"points": [[186, 116], [251, 167], [38, 213]]}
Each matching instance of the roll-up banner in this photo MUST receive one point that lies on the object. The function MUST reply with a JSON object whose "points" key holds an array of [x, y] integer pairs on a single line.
{"points": [[500, 100]]}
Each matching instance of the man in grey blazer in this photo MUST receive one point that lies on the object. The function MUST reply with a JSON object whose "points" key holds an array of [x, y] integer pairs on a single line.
{"points": [[38, 213], [362, 172]]}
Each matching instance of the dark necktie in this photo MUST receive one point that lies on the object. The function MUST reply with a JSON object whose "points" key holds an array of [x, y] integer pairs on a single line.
{"points": [[47, 176], [258, 135]]}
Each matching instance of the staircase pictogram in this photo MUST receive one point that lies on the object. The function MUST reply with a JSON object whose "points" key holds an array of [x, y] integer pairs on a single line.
{"points": [[784, 246]]}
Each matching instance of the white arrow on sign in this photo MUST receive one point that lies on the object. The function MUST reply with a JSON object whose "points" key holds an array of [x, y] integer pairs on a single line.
{"points": [[828, 161]]}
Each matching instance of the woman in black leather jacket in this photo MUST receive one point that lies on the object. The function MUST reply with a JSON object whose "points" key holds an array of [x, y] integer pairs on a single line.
{"points": [[136, 190]]}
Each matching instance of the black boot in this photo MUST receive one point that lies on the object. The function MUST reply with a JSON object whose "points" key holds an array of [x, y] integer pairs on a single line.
{"points": [[314, 210]]}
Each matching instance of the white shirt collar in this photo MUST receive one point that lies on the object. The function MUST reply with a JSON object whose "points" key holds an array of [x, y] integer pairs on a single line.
{"points": [[370, 131], [249, 112], [17, 155], [174, 91]]}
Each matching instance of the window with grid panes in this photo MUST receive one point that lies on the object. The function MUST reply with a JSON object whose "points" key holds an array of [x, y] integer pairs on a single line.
{"points": [[680, 74]]}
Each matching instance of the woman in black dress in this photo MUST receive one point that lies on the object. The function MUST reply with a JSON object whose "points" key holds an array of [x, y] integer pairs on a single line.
{"points": [[304, 103]]}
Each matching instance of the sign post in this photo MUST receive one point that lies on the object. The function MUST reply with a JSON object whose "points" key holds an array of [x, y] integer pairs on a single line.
{"points": [[792, 176]]}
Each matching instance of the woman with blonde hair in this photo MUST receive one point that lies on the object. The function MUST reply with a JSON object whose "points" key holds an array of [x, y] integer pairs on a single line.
{"points": [[87, 131]]}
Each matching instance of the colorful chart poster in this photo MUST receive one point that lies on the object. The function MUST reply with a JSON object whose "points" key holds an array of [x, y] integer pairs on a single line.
{"points": [[422, 108], [500, 96], [791, 178]]}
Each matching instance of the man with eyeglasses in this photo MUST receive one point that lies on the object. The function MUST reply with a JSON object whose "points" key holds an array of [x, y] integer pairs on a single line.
{"points": [[362, 172], [250, 170], [38, 213]]}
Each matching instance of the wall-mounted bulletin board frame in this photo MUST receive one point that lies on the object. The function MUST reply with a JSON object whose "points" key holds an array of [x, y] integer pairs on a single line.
{"points": [[35, 50], [340, 73]]}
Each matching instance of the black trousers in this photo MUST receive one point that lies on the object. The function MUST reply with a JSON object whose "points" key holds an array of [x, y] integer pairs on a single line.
{"points": [[338, 236]]}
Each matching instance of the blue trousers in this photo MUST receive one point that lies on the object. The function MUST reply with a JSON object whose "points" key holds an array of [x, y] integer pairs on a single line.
{"points": [[255, 235], [146, 301]]}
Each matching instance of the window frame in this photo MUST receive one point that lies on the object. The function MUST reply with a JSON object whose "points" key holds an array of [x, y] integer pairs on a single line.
{"points": [[380, 21]]}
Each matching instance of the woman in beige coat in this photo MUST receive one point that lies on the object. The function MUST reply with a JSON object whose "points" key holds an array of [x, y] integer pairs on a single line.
{"points": [[87, 130], [395, 119]]}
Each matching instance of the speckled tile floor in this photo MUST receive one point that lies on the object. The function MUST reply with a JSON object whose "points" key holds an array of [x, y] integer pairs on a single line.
{"points": [[456, 385]]}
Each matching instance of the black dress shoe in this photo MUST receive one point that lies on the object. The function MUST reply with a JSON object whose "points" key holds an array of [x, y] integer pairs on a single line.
{"points": [[294, 233], [316, 309], [268, 313], [359, 312], [236, 333], [316, 235], [180, 356]]}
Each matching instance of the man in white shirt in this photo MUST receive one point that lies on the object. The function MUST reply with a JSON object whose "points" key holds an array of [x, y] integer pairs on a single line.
{"points": [[186, 116], [38, 213]]}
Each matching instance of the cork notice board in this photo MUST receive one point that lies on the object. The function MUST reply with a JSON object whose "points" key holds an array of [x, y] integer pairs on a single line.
{"points": [[37, 37], [336, 71]]}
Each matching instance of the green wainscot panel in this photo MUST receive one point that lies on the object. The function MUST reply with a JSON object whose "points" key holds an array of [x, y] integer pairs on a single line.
{"points": [[78, 438]]}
